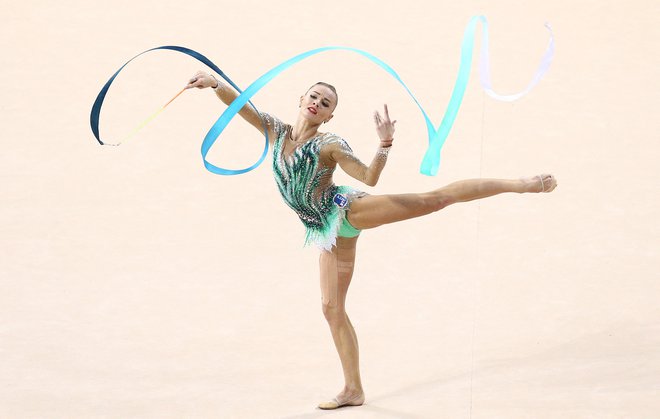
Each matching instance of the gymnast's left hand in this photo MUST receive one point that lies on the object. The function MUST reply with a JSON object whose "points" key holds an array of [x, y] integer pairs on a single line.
{"points": [[384, 128]]}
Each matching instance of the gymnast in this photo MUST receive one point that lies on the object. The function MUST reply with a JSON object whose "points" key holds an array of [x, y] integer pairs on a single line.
{"points": [[304, 160]]}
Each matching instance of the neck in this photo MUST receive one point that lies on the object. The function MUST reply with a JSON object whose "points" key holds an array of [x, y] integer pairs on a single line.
{"points": [[304, 130]]}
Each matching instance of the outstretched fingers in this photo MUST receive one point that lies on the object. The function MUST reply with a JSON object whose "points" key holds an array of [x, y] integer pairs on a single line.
{"points": [[384, 126], [387, 116]]}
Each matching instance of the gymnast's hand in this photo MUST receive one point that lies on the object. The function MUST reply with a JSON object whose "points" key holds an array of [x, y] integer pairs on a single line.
{"points": [[202, 80], [384, 128]]}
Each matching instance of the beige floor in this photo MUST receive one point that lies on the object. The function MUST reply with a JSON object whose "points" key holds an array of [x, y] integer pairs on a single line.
{"points": [[137, 285]]}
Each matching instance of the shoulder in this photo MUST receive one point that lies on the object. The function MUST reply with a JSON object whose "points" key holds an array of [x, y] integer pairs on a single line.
{"points": [[333, 146], [334, 142], [273, 123]]}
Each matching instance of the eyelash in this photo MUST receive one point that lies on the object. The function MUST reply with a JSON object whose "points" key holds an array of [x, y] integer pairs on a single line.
{"points": [[325, 104]]}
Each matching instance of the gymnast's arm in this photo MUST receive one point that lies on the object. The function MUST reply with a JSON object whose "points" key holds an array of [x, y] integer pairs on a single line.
{"points": [[226, 94], [343, 155]]}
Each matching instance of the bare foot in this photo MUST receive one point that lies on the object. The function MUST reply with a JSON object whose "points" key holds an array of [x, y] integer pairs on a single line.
{"points": [[344, 398], [540, 183]]}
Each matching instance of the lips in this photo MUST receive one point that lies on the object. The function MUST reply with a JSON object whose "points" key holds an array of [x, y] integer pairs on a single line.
{"points": [[312, 110]]}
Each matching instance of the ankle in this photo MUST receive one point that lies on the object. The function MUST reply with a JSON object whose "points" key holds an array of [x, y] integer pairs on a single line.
{"points": [[528, 185], [353, 389]]}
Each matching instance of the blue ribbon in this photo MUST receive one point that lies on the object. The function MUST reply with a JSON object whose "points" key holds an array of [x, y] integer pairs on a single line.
{"points": [[437, 137], [98, 103]]}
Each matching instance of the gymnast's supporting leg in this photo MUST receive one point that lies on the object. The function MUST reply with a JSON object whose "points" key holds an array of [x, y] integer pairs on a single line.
{"points": [[336, 273], [375, 210]]}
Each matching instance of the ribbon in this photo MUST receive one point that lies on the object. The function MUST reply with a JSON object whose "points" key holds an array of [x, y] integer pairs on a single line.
{"points": [[98, 103], [437, 137]]}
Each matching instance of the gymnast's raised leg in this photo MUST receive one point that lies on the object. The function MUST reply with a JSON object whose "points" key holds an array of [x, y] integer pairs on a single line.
{"points": [[374, 210]]}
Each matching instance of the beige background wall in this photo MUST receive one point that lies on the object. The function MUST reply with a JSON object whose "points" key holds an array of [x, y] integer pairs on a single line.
{"points": [[137, 284]]}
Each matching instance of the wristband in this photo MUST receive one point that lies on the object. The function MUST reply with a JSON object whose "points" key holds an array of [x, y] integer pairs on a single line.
{"points": [[383, 151]]}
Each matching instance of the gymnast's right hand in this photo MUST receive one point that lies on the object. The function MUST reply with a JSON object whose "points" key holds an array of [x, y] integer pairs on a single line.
{"points": [[202, 80]]}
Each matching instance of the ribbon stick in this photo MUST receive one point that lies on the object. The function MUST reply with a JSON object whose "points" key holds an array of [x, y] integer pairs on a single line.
{"points": [[146, 121], [437, 137], [95, 114]]}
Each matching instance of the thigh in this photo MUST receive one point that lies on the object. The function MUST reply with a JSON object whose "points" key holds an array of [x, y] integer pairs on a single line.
{"points": [[374, 210], [336, 268]]}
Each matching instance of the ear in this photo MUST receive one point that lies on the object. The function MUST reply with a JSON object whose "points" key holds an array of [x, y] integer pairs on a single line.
{"points": [[329, 118], [300, 102]]}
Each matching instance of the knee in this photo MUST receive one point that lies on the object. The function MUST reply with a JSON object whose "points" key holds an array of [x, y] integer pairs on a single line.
{"points": [[333, 313], [437, 200]]}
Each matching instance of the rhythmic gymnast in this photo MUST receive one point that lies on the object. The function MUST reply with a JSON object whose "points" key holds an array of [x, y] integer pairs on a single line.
{"points": [[304, 160]]}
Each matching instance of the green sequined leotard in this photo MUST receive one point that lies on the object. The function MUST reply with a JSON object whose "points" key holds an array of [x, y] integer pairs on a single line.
{"points": [[306, 184]]}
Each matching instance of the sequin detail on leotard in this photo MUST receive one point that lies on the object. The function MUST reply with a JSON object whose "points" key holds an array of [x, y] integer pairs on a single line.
{"points": [[306, 184]]}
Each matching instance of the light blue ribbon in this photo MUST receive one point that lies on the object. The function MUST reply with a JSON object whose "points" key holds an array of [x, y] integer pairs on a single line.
{"points": [[437, 137]]}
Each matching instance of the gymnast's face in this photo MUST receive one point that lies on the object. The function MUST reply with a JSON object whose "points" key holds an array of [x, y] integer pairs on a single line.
{"points": [[318, 104]]}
